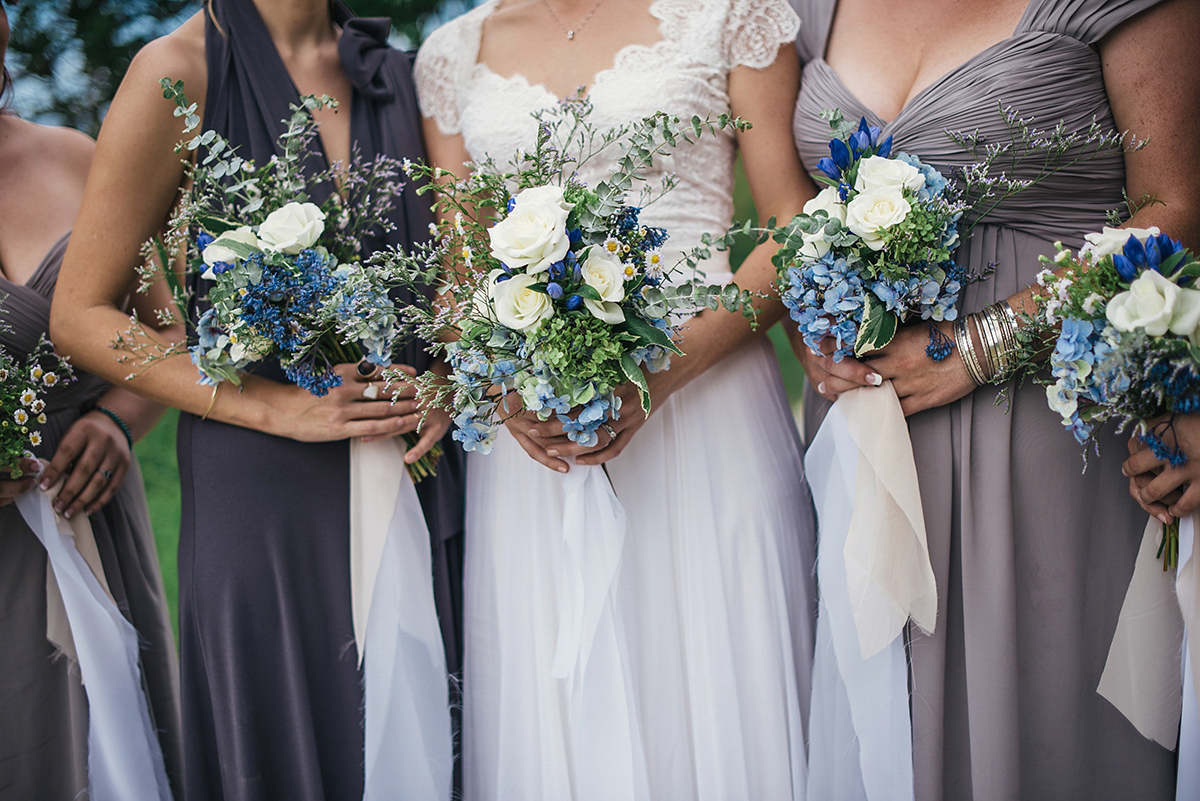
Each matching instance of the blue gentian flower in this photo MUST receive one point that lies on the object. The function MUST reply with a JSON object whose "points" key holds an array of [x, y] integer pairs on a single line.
{"points": [[574, 302], [554, 290], [203, 240]]}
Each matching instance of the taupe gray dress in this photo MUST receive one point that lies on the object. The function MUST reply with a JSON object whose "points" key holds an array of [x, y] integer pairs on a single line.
{"points": [[1032, 558], [43, 708]]}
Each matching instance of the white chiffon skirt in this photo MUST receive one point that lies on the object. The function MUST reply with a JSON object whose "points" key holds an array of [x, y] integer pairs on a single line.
{"points": [[709, 668]]}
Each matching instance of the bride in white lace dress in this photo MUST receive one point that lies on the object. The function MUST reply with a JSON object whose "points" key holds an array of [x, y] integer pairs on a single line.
{"points": [[703, 691]]}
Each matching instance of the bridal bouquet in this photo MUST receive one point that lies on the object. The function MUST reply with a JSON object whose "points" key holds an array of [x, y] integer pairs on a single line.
{"points": [[23, 386], [566, 295], [872, 249], [1126, 312], [284, 276]]}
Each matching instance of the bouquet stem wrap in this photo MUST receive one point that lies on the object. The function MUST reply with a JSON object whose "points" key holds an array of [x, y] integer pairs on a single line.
{"points": [[408, 742], [124, 756], [874, 574], [1150, 674], [590, 654]]}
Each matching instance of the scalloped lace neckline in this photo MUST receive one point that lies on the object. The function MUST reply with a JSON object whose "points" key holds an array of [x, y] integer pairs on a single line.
{"points": [[656, 10]]}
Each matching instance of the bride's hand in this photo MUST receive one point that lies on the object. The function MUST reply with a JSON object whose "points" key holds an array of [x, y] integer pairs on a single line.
{"points": [[829, 378], [10, 488], [361, 407], [919, 381]]}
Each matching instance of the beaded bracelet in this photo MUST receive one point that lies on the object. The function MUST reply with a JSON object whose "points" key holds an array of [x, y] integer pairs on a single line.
{"points": [[116, 418]]}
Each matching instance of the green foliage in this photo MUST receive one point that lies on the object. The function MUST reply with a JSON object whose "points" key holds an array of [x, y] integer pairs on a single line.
{"points": [[78, 51], [583, 347]]}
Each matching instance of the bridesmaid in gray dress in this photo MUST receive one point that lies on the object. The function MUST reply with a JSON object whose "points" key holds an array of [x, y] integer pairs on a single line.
{"points": [[43, 708], [1032, 558]]}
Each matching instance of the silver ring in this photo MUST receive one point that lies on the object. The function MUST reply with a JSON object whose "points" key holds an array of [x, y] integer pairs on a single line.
{"points": [[107, 474], [612, 434], [371, 392]]}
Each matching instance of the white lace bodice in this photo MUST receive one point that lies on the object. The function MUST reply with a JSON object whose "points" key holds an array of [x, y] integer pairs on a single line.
{"points": [[686, 73]]}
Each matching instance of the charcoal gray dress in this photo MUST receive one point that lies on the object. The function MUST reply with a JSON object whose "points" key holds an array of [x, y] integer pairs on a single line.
{"points": [[43, 708], [1032, 558], [272, 694]]}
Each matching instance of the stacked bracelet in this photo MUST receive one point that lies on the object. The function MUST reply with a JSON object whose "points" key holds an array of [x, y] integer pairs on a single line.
{"points": [[966, 350], [116, 418], [996, 327]]}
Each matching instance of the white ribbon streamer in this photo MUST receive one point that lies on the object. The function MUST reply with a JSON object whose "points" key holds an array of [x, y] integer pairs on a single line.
{"points": [[408, 744], [603, 739], [124, 756], [860, 704], [1142, 676]]}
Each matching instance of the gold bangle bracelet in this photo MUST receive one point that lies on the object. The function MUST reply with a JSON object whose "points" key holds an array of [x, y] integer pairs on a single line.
{"points": [[211, 401]]}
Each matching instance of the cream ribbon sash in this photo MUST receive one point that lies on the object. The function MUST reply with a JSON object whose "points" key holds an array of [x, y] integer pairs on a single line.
{"points": [[1150, 674], [590, 657], [408, 742], [874, 575], [124, 756]]}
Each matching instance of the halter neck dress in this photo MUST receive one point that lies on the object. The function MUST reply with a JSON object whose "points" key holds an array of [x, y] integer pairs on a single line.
{"points": [[1032, 557], [272, 692], [43, 708]]}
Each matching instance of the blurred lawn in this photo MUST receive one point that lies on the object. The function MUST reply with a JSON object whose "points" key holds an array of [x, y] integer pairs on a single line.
{"points": [[156, 451]]}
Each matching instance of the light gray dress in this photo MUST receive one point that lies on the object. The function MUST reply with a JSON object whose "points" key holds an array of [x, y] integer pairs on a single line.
{"points": [[1032, 558]]}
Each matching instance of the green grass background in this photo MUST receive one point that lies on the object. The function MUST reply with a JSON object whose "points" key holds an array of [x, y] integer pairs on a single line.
{"points": [[156, 451]]}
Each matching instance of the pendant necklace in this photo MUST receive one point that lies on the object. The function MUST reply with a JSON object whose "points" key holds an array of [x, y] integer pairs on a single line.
{"points": [[570, 32]]}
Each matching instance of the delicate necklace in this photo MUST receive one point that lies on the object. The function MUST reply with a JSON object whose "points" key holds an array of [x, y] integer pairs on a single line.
{"points": [[570, 32]]}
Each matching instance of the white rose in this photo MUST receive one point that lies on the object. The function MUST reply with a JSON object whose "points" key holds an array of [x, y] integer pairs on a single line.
{"points": [[1186, 319], [517, 306], [534, 234], [876, 172], [873, 211], [218, 252], [603, 272], [542, 194], [830, 201], [1150, 304], [1112, 240], [292, 228]]}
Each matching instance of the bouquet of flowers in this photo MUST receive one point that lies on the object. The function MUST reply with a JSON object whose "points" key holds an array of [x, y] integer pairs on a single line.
{"points": [[567, 294], [872, 249], [285, 277], [1126, 312], [23, 386]]}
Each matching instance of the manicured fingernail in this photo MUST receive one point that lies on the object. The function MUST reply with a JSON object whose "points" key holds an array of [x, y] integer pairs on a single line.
{"points": [[821, 388], [533, 432], [45, 485], [67, 514], [875, 379], [561, 469], [551, 452]]}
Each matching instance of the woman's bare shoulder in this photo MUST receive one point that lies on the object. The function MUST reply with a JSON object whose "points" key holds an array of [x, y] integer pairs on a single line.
{"points": [[179, 56]]}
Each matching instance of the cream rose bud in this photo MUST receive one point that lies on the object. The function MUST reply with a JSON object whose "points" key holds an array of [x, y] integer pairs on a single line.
{"points": [[876, 172], [217, 251], [1150, 304], [1112, 240], [603, 272], [873, 211], [292, 228], [533, 235], [517, 306]]}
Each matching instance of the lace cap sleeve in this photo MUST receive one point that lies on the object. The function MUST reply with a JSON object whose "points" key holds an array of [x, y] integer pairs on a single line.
{"points": [[754, 31], [437, 72], [1089, 21]]}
